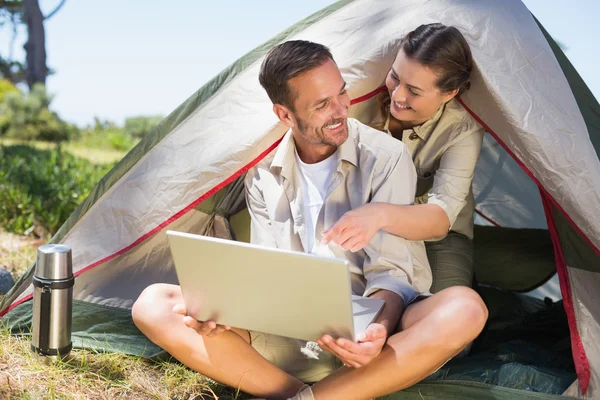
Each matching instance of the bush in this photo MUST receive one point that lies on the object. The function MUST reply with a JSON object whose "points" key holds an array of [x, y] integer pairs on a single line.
{"points": [[6, 86], [27, 117], [138, 127], [106, 134], [40, 188]]}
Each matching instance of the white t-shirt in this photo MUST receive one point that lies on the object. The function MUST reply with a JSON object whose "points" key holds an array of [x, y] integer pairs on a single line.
{"points": [[315, 181]]}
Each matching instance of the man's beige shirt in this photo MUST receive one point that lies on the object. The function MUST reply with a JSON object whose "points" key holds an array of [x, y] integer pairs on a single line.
{"points": [[371, 167], [445, 150]]}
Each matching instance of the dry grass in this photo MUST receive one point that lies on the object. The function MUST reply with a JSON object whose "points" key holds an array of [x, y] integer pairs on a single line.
{"points": [[87, 374]]}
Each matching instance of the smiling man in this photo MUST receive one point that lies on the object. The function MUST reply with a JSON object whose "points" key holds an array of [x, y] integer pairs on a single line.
{"points": [[326, 165]]}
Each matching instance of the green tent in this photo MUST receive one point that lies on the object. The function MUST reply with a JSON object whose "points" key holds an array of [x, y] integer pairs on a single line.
{"points": [[536, 186]]}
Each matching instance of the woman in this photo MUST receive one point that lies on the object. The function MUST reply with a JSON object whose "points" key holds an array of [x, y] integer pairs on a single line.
{"points": [[433, 66]]}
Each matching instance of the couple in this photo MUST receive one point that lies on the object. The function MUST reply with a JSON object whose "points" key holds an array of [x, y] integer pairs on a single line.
{"points": [[338, 187]]}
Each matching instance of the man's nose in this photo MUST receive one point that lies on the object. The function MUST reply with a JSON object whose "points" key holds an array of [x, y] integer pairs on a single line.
{"points": [[341, 109]]}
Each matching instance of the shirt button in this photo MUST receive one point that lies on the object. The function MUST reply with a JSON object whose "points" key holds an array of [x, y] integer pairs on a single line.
{"points": [[413, 136]]}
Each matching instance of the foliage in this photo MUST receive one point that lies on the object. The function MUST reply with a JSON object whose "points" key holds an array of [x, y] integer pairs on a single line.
{"points": [[11, 14], [138, 127], [6, 86], [39, 189], [27, 117], [105, 134]]}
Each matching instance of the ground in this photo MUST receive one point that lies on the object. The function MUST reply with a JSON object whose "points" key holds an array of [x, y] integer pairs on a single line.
{"points": [[87, 375]]}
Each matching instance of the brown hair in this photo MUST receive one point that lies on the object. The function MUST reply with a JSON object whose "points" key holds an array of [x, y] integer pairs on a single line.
{"points": [[443, 49], [286, 61]]}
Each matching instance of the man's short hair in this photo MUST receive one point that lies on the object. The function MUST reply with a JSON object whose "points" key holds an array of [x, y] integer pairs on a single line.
{"points": [[286, 61]]}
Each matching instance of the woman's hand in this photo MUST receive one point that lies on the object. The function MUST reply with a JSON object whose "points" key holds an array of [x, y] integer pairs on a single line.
{"points": [[356, 228]]}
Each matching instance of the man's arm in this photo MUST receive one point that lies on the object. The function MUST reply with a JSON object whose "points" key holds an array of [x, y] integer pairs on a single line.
{"points": [[260, 230], [390, 260], [389, 317], [388, 266]]}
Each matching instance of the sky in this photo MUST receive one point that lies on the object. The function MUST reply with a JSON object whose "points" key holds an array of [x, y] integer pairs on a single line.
{"points": [[116, 59]]}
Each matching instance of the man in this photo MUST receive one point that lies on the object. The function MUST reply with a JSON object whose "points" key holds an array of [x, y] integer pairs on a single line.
{"points": [[326, 165]]}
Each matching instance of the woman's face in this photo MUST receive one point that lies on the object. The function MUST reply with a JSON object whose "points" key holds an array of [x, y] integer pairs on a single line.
{"points": [[414, 96]]}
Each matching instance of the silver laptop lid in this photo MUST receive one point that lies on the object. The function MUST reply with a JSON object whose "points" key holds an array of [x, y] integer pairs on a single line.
{"points": [[263, 289]]}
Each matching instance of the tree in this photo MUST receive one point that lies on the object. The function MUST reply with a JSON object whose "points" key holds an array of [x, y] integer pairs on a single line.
{"points": [[10, 14], [36, 42], [26, 12]]}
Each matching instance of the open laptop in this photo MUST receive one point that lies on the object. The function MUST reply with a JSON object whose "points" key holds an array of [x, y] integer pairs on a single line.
{"points": [[275, 291]]}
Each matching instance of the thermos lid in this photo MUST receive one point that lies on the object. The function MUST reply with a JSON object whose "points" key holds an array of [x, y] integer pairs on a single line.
{"points": [[54, 262]]}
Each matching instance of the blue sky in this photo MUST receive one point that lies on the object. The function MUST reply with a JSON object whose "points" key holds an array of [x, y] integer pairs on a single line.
{"points": [[116, 58]]}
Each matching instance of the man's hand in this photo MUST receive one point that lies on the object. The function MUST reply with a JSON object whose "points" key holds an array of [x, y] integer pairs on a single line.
{"points": [[356, 354], [208, 328], [355, 229]]}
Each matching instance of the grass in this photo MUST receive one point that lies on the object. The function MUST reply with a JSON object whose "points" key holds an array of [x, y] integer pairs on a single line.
{"points": [[17, 253], [98, 156], [88, 374]]}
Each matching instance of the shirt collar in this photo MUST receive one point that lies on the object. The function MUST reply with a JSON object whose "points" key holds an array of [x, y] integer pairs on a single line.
{"points": [[425, 129]]}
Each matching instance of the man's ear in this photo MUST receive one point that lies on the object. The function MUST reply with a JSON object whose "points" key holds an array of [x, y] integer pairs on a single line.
{"points": [[285, 115]]}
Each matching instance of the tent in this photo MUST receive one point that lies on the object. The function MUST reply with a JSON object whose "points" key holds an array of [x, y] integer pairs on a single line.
{"points": [[537, 190]]}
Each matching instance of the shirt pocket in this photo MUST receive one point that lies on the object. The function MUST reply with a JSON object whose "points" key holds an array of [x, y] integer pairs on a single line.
{"points": [[425, 178]]}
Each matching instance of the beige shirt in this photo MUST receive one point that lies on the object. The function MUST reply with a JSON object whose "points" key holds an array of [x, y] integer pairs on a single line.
{"points": [[370, 167], [445, 150]]}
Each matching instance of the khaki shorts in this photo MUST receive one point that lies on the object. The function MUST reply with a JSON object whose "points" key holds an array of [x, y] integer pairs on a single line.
{"points": [[286, 354], [451, 261]]}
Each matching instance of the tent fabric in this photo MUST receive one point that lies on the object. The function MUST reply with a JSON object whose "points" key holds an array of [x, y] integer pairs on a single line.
{"points": [[538, 167]]}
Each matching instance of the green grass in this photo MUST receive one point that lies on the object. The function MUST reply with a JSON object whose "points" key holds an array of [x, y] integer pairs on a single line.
{"points": [[96, 155]]}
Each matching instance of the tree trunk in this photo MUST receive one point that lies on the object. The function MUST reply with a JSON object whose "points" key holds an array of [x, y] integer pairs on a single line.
{"points": [[36, 43]]}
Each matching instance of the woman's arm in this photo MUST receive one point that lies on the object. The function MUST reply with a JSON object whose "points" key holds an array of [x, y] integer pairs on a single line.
{"points": [[432, 220], [357, 227], [415, 222]]}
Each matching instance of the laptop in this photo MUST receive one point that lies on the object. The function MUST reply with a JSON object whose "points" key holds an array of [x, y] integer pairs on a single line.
{"points": [[285, 293]]}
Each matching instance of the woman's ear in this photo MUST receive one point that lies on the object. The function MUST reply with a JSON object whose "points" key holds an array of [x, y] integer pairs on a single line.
{"points": [[446, 97]]}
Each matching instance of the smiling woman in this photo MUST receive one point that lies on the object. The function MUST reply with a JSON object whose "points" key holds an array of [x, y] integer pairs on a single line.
{"points": [[432, 67]]}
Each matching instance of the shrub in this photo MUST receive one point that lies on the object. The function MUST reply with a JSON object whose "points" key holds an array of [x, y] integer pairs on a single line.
{"points": [[138, 127], [106, 134], [41, 188], [6, 86], [27, 117]]}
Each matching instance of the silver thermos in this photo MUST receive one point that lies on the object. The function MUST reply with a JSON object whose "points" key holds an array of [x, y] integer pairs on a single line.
{"points": [[52, 301]]}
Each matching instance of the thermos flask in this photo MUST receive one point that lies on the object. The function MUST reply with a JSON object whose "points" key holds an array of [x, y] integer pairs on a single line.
{"points": [[52, 302]]}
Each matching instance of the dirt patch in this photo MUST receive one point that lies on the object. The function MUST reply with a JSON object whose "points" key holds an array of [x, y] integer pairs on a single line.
{"points": [[17, 252]]}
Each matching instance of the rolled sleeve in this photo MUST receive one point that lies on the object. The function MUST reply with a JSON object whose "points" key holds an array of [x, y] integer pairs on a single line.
{"points": [[452, 181], [389, 263], [261, 231]]}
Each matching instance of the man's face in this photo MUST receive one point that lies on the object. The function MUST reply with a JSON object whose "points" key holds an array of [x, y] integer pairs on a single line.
{"points": [[318, 120]]}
